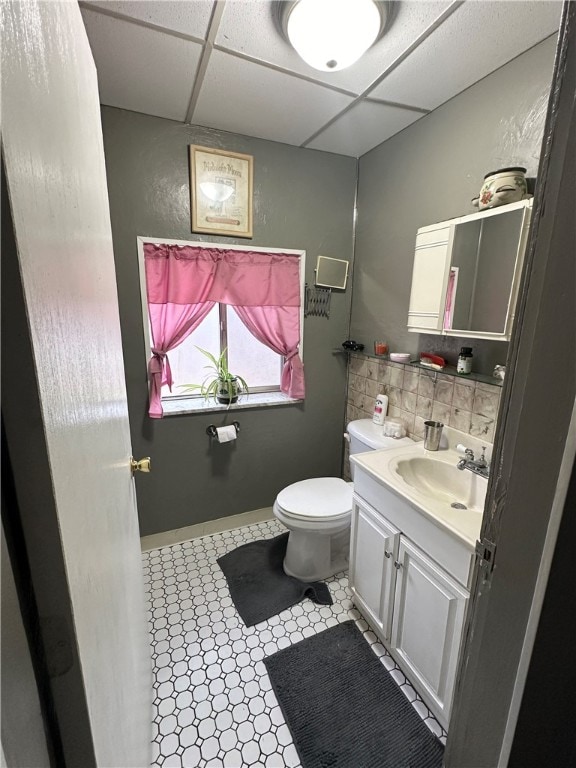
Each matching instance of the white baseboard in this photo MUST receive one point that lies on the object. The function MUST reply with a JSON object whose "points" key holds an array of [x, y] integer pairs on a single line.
{"points": [[177, 536]]}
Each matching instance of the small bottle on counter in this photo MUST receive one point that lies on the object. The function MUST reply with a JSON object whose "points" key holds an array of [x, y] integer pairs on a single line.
{"points": [[380, 409], [464, 364]]}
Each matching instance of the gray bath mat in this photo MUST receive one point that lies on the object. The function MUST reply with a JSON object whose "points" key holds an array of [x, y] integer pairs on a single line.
{"points": [[257, 582], [343, 708]]}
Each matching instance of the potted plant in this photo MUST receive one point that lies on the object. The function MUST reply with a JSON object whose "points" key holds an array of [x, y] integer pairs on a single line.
{"points": [[219, 383]]}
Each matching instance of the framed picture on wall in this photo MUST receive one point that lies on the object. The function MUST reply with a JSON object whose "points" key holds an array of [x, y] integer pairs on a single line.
{"points": [[221, 191]]}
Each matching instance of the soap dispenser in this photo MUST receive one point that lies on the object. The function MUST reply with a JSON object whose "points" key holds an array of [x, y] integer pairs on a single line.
{"points": [[380, 409]]}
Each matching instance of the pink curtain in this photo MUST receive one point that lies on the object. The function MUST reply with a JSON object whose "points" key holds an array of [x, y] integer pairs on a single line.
{"points": [[279, 329], [183, 284], [171, 324]]}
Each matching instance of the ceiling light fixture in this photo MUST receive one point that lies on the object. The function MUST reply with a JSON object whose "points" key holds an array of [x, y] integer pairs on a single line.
{"points": [[332, 34]]}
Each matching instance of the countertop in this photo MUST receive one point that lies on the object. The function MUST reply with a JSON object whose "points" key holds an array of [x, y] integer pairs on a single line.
{"points": [[464, 524]]}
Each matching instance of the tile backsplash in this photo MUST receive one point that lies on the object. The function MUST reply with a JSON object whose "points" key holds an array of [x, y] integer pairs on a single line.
{"points": [[416, 395]]}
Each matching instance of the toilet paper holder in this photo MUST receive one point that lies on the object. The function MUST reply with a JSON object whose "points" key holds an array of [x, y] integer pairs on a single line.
{"points": [[211, 430]]}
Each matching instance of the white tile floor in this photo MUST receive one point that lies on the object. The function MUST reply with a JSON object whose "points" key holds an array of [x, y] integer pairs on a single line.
{"points": [[213, 703]]}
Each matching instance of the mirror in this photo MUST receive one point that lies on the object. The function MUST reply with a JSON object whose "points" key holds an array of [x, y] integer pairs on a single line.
{"points": [[331, 273], [482, 266], [466, 273]]}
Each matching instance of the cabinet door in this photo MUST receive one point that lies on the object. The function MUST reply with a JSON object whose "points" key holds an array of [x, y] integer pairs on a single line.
{"points": [[522, 243], [430, 278], [429, 612], [487, 252], [373, 551]]}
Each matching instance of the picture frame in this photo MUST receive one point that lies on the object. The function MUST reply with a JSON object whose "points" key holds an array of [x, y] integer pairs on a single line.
{"points": [[221, 191]]}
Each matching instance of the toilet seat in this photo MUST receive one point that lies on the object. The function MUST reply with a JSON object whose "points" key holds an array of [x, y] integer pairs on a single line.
{"points": [[321, 499]]}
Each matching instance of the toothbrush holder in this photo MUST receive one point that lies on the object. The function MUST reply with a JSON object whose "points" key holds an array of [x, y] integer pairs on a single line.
{"points": [[432, 435]]}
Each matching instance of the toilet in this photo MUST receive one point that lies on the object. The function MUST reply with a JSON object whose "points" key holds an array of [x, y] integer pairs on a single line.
{"points": [[317, 512]]}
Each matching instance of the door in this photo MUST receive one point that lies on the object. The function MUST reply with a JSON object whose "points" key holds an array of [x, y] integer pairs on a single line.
{"points": [[64, 398], [430, 278], [533, 455], [429, 610], [374, 545]]}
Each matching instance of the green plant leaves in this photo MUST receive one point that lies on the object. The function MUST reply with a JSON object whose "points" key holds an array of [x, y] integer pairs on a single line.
{"points": [[221, 382]]}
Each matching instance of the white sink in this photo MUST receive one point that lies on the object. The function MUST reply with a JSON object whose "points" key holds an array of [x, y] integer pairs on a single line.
{"points": [[461, 489], [432, 483]]}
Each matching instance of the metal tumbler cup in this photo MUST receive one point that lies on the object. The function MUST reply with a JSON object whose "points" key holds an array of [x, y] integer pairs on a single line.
{"points": [[432, 435]]}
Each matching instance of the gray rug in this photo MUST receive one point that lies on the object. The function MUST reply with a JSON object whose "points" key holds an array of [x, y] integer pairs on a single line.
{"points": [[343, 708], [258, 585]]}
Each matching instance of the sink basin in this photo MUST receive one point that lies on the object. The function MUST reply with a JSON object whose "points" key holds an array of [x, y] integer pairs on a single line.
{"points": [[443, 481], [430, 482]]}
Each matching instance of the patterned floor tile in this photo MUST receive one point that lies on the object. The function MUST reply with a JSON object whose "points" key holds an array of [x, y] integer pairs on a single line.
{"points": [[213, 702]]}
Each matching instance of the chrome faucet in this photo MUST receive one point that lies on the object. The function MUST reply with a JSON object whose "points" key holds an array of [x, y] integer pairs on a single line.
{"points": [[478, 466]]}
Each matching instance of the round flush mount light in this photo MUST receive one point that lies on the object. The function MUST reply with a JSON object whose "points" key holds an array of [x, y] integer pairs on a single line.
{"points": [[332, 34]]}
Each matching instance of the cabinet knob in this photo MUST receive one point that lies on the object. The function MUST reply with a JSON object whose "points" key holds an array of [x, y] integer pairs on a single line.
{"points": [[397, 565], [387, 554]]}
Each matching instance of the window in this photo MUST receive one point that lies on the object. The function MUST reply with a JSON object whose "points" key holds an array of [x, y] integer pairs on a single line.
{"points": [[258, 365], [246, 300]]}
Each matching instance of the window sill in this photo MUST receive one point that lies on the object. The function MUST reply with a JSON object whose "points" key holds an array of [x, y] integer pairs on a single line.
{"points": [[184, 405]]}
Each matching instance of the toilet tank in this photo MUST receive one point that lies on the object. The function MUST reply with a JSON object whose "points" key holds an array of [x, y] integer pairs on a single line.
{"points": [[364, 436]]}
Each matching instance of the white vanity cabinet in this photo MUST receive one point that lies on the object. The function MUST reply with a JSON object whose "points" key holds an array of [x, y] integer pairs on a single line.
{"points": [[427, 623], [409, 579], [372, 573], [467, 272]]}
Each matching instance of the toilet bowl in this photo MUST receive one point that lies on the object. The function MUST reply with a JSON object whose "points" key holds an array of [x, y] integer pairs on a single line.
{"points": [[317, 512]]}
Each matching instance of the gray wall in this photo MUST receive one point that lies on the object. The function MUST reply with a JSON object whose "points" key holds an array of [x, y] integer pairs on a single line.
{"points": [[302, 199], [429, 172]]}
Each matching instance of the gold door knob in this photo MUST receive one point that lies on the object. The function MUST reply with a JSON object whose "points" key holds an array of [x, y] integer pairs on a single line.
{"points": [[140, 466]]}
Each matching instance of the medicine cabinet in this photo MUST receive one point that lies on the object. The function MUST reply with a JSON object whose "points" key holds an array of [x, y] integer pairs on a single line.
{"points": [[466, 273]]}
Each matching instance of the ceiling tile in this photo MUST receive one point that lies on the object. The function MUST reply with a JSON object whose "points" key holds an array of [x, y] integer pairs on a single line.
{"points": [[249, 28], [188, 18], [476, 40], [251, 99], [141, 69], [365, 126]]}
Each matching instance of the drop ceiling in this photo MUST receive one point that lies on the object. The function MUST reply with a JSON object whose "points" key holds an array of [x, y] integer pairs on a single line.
{"points": [[225, 65]]}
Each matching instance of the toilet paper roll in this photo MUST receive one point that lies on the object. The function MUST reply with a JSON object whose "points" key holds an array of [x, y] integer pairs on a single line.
{"points": [[226, 434]]}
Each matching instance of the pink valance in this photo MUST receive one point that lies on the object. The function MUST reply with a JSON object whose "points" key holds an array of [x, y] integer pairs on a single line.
{"points": [[182, 274], [184, 282]]}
